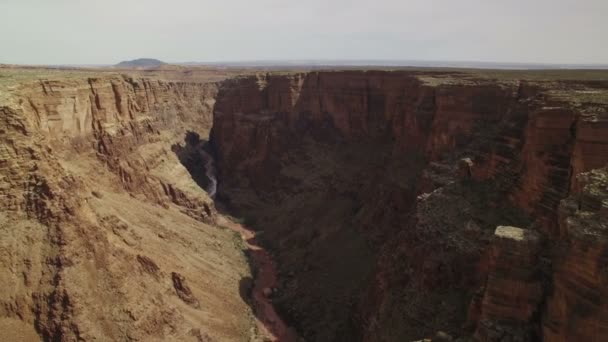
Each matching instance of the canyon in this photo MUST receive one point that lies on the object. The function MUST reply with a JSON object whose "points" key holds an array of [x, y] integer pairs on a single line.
{"points": [[328, 205]]}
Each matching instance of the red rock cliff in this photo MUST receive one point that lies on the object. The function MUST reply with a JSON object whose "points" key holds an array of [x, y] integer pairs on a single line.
{"points": [[577, 309], [515, 129], [525, 143]]}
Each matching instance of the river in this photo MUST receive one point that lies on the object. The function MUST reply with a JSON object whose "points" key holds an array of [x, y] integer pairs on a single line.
{"points": [[269, 324], [210, 173]]}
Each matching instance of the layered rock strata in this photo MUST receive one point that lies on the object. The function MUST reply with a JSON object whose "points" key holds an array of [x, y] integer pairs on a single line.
{"points": [[377, 192], [577, 309], [520, 146], [513, 291], [104, 231], [114, 117]]}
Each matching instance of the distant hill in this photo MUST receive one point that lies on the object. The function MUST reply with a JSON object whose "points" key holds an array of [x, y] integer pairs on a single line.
{"points": [[140, 63]]}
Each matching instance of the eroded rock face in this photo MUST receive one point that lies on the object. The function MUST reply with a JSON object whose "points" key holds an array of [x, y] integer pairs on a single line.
{"points": [[97, 213], [275, 134], [258, 117], [514, 290], [512, 129], [131, 125], [377, 192], [183, 291], [577, 309]]}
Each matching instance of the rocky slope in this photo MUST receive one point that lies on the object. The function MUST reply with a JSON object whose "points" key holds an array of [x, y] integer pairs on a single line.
{"points": [[105, 234], [395, 204]]}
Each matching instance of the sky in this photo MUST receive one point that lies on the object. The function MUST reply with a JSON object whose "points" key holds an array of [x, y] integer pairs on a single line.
{"points": [[109, 31]]}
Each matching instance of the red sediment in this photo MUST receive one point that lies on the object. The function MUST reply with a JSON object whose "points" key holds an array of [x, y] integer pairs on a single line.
{"points": [[269, 323]]}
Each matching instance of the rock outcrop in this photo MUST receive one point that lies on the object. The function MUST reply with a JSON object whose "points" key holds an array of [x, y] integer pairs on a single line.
{"points": [[513, 291], [577, 309]]}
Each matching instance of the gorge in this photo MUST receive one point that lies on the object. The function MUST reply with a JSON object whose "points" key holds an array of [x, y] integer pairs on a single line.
{"points": [[394, 205]]}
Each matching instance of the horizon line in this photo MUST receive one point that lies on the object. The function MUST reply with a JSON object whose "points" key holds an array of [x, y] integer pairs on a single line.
{"points": [[346, 62]]}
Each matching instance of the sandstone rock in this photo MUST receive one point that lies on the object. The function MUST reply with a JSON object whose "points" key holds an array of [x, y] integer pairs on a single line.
{"points": [[577, 310], [513, 290], [148, 265], [73, 150], [183, 290], [118, 115]]}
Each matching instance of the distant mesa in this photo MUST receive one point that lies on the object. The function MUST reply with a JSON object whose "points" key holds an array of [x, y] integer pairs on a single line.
{"points": [[141, 63]]}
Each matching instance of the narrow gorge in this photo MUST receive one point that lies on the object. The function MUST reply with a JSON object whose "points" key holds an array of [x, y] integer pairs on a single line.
{"points": [[305, 206]]}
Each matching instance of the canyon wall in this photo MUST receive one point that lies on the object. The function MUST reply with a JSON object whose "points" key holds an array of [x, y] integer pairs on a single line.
{"points": [[114, 117], [576, 308], [105, 233], [387, 137], [508, 127], [378, 193]]}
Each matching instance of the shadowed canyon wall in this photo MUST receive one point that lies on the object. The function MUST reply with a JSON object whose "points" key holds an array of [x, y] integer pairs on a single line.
{"points": [[357, 180]]}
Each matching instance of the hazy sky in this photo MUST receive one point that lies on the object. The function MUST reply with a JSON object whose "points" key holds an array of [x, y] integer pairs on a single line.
{"points": [[108, 31]]}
